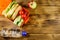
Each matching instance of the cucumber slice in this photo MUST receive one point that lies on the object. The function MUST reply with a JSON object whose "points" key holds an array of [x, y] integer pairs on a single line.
{"points": [[17, 20], [20, 23], [10, 6], [11, 11], [16, 12]]}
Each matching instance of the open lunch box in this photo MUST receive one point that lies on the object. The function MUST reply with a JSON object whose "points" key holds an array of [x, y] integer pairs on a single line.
{"points": [[19, 16]]}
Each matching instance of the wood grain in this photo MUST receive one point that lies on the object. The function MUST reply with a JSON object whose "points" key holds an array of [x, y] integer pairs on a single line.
{"points": [[44, 23]]}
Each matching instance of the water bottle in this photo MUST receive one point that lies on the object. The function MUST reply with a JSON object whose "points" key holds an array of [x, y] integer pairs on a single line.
{"points": [[13, 33]]}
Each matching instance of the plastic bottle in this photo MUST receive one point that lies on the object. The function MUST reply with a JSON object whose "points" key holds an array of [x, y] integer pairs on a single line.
{"points": [[13, 33]]}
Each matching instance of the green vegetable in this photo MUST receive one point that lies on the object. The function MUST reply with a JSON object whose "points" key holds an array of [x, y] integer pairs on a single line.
{"points": [[11, 11], [19, 24], [8, 8], [17, 20]]}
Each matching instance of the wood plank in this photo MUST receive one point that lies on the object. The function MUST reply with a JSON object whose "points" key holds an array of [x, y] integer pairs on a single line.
{"points": [[35, 37], [44, 23], [1, 38], [44, 19], [6, 23], [40, 37], [49, 2], [56, 37]]}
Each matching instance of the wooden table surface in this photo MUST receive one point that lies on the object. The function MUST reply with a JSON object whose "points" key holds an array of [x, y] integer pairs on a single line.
{"points": [[44, 23]]}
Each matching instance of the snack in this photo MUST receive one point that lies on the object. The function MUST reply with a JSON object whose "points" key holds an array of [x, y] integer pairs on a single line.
{"points": [[32, 4], [17, 14]]}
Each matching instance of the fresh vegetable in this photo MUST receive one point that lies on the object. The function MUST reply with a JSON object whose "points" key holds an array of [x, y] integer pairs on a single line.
{"points": [[21, 12], [24, 14], [20, 23], [17, 20], [8, 8], [26, 20], [4, 4], [11, 11], [24, 11]]}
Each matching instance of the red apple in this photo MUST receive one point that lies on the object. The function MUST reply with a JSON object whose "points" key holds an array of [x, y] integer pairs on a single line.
{"points": [[32, 5]]}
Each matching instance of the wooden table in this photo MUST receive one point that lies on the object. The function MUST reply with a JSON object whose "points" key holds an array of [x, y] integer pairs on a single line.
{"points": [[44, 23]]}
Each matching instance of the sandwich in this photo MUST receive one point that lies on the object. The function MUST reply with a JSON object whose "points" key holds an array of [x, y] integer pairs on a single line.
{"points": [[16, 13]]}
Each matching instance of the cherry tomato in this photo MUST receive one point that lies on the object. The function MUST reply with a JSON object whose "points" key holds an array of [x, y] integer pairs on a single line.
{"points": [[21, 12], [23, 16], [26, 13]]}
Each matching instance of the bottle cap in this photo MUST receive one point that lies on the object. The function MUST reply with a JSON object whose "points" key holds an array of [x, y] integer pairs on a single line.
{"points": [[24, 33]]}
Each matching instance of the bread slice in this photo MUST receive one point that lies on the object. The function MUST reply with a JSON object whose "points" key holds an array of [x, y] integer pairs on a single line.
{"points": [[16, 12]]}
